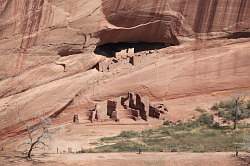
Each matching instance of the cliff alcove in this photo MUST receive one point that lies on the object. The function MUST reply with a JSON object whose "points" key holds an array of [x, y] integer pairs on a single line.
{"points": [[110, 49], [237, 35]]}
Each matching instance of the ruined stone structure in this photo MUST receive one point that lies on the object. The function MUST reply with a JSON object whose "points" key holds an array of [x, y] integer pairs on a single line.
{"points": [[135, 60], [112, 64], [76, 119], [139, 106], [158, 111], [103, 66], [124, 58], [132, 106], [100, 112], [124, 54]]}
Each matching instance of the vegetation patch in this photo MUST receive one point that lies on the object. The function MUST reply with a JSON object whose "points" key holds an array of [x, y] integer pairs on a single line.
{"points": [[200, 135], [226, 110], [121, 146], [201, 110]]}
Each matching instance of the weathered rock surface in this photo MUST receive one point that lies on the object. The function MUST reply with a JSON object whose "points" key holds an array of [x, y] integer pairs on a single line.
{"points": [[191, 73], [47, 59], [47, 100], [35, 31], [63, 67]]}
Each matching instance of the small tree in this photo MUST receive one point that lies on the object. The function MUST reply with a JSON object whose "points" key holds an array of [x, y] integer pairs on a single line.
{"points": [[236, 112], [37, 137], [232, 110], [239, 111]]}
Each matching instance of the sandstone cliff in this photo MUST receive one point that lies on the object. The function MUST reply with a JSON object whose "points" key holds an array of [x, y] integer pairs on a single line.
{"points": [[47, 59], [36, 31]]}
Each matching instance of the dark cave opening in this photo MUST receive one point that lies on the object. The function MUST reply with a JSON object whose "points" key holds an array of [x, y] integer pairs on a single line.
{"points": [[237, 35], [110, 49]]}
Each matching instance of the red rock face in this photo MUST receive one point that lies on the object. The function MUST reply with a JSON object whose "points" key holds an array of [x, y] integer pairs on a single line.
{"points": [[30, 29], [140, 21], [36, 81], [157, 31], [214, 15], [122, 13], [54, 24]]}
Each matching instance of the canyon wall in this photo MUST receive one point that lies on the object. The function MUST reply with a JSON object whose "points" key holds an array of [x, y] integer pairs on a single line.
{"points": [[47, 59], [36, 31]]}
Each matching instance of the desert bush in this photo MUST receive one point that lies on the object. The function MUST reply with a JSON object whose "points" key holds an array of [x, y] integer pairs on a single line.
{"points": [[121, 136], [201, 110], [122, 146], [226, 109], [215, 107], [195, 136], [86, 151], [166, 123], [206, 119], [129, 134], [147, 133], [216, 125], [248, 104]]}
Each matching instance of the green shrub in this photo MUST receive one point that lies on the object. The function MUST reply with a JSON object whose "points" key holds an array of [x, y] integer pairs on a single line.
{"points": [[223, 105], [216, 125], [244, 113], [192, 124], [128, 134], [248, 104], [215, 107], [123, 146], [147, 133], [226, 114], [227, 104], [86, 151], [166, 123], [226, 109], [206, 119], [201, 110], [192, 136], [108, 139]]}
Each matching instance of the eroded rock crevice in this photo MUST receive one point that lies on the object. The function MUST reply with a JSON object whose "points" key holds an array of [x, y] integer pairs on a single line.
{"points": [[237, 35]]}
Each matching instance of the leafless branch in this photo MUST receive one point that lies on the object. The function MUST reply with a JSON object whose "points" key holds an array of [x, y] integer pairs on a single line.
{"points": [[37, 142]]}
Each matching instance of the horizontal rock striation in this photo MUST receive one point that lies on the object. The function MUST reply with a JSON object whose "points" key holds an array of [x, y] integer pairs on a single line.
{"points": [[35, 31], [47, 62]]}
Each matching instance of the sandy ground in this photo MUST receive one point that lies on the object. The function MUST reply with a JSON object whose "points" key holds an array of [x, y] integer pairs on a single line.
{"points": [[86, 135], [80, 136], [127, 159]]}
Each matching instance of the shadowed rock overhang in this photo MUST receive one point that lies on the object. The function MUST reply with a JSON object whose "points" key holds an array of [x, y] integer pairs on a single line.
{"points": [[137, 26]]}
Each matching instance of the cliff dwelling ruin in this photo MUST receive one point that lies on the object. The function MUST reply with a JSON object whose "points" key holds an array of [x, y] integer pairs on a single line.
{"points": [[124, 54], [133, 106], [111, 49]]}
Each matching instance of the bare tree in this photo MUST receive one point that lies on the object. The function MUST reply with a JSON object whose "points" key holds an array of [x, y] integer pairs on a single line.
{"points": [[37, 137], [238, 102], [236, 111]]}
